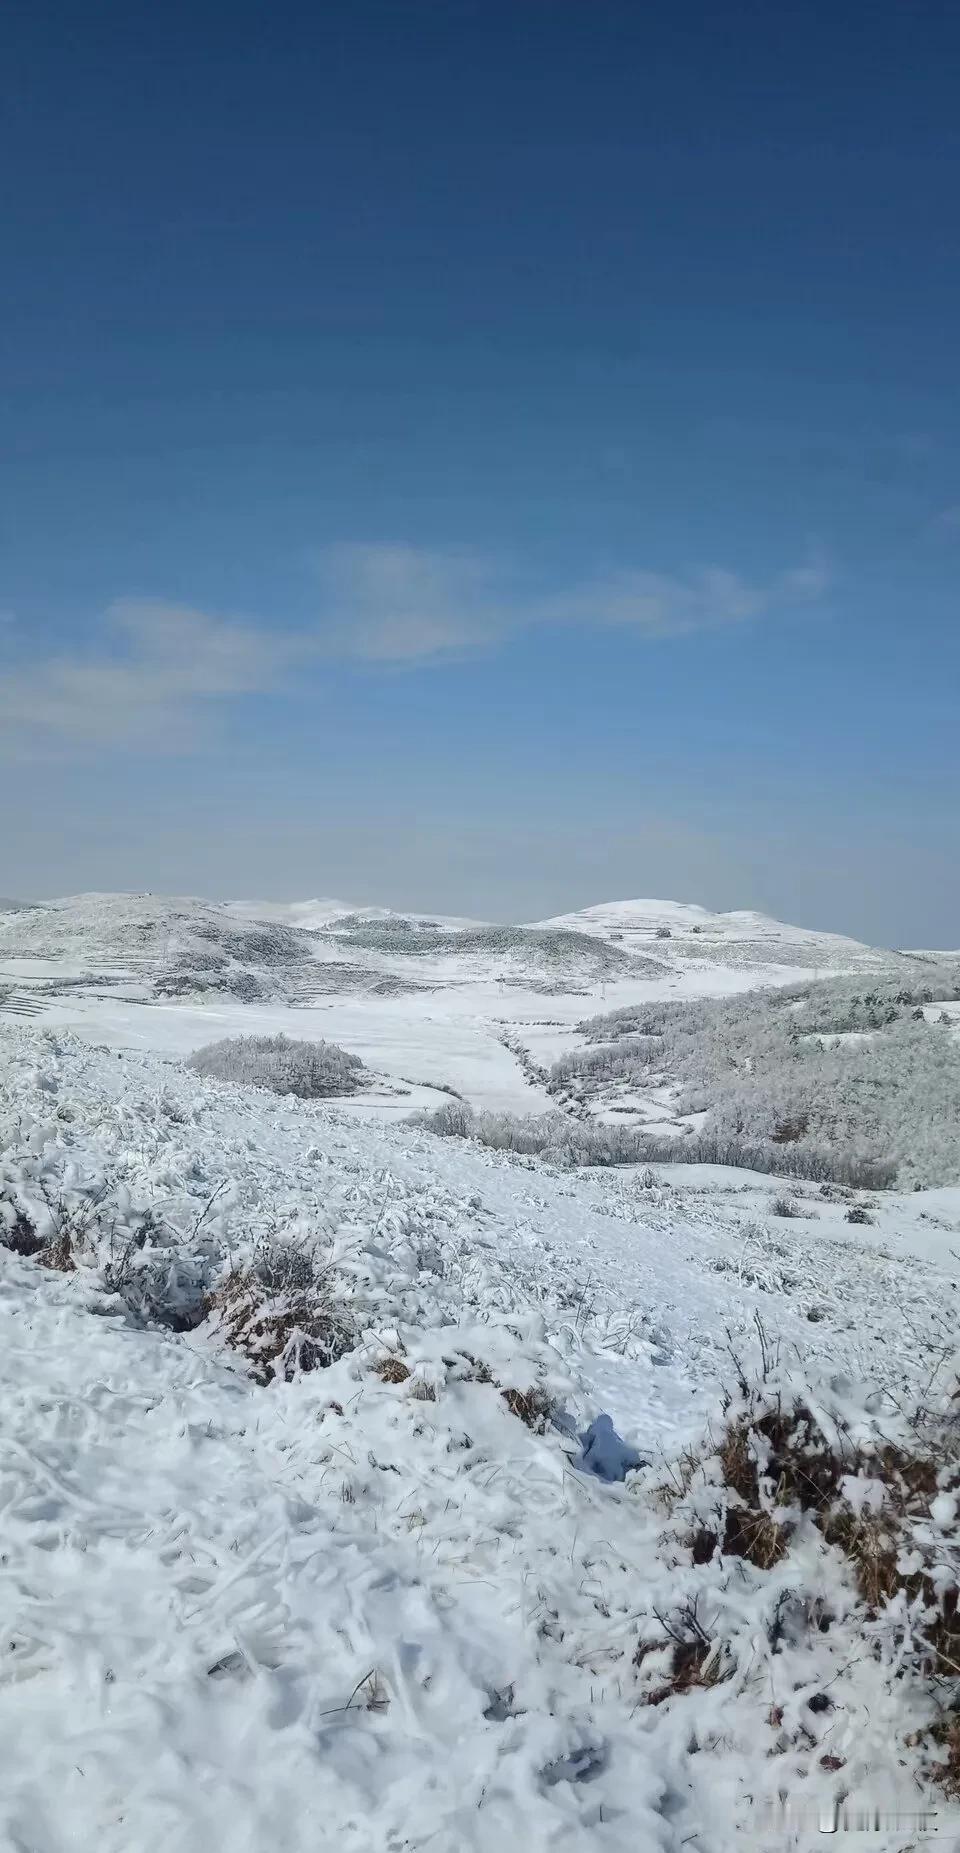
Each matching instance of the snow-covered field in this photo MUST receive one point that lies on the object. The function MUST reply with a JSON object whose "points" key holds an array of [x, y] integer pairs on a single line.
{"points": [[369, 1606]]}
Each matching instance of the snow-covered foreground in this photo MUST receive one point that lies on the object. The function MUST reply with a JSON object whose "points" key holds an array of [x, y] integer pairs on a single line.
{"points": [[375, 1614], [249, 1620]]}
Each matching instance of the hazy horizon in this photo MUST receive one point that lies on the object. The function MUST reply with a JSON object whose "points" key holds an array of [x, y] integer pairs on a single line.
{"points": [[409, 901]]}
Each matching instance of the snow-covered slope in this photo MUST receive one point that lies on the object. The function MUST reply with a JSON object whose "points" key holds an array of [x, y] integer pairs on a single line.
{"points": [[317, 914], [131, 930], [369, 1606]]}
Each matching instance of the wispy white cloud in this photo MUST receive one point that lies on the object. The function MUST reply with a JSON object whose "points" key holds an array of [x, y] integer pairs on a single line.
{"points": [[397, 604], [143, 678], [151, 674]]}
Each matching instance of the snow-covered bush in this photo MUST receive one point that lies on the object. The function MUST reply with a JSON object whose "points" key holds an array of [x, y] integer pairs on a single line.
{"points": [[564, 1141], [608, 1060], [312, 1070], [561, 947], [812, 1612], [840, 1068], [282, 1312], [233, 981]]}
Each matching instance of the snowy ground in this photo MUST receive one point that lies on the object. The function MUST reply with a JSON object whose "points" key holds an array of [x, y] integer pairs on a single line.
{"points": [[447, 1038], [233, 1613], [386, 1615]]}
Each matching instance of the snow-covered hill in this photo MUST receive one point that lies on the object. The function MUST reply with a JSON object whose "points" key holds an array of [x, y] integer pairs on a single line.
{"points": [[133, 931], [317, 914], [681, 933]]}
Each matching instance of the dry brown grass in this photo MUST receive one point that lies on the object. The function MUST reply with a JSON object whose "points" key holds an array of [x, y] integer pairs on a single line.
{"points": [[870, 1543], [776, 1459], [533, 1407], [392, 1370], [282, 1316], [58, 1254], [696, 1660], [800, 1465], [945, 1736], [754, 1535]]}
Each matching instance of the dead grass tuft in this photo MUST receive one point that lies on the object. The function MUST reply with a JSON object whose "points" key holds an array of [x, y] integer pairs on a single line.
{"points": [[21, 1237], [58, 1254], [945, 1736], [869, 1541], [696, 1660], [786, 1450], [778, 1462], [392, 1370], [754, 1535], [281, 1314], [533, 1407]]}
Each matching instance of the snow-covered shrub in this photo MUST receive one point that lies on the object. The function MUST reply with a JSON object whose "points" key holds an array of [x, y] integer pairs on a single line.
{"points": [[607, 1061], [562, 947], [53, 1228], [453, 1120], [281, 1311], [564, 1141], [840, 1068], [311, 1070], [815, 1571], [233, 981]]}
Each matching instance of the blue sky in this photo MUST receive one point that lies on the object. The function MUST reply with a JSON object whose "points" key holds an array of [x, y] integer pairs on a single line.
{"points": [[490, 456]]}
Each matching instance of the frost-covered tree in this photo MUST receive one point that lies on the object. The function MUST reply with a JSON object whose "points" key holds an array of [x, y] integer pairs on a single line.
{"points": [[311, 1070], [846, 1072]]}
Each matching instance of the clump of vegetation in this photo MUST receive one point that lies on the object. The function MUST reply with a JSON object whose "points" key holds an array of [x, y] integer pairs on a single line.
{"points": [[843, 1067], [18, 1233], [281, 1312], [392, 1370], [561, 947], [840, 1515], [56, 1233], [532, 1407], [311, 1070], [563, 1141]]}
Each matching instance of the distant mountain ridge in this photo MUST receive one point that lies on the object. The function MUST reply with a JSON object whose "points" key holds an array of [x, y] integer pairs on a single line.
{"points": [[180, 946]]}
